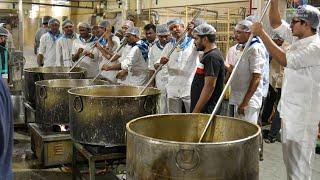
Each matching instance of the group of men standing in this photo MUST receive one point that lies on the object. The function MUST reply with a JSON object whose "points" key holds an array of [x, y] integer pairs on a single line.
{"points": [[192, 77]]}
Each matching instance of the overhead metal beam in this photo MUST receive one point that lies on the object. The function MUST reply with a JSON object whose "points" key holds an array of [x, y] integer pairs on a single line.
{"points": [[49, 4]]}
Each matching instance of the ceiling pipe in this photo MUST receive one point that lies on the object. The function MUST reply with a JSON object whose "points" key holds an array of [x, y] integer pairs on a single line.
{"points": [[48, 4]]}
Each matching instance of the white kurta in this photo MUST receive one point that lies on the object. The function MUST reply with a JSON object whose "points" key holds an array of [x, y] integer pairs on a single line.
{"points": [[161, 78], [92, 65], [299, 105], [64, 51], [181, 70], [47, 48], [137, 67], [110, 75], [124, 52]]}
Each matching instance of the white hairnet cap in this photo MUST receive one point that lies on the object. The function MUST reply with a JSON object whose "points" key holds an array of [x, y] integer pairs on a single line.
{"points": [[53, 21], [3, 31], [104, 24], [162, 30], [134, 31], [244, 25], [128, 23], [204, 29], [67, 23], [84, 25], [174, 21], [276, 37], [199, 21], [310, 14], [252, 18]]}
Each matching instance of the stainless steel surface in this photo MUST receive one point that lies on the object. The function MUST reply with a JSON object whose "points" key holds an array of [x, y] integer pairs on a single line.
{"points": [[98, 114], [166, 147], [32, 75], [29, 113], [216, 108], [18, 109], [52, 101]]}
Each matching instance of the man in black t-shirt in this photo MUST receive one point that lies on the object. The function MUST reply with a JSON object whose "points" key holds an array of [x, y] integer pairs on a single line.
{"points": [[208, 80]]}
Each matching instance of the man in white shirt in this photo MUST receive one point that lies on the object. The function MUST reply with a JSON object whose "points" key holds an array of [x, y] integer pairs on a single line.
{"points": [[134, 66], [47, 49], [83, 47], [299, 104], [155, 52], [41, 31], [64, 45], [246, 87], [181, 67], [107, 45]]}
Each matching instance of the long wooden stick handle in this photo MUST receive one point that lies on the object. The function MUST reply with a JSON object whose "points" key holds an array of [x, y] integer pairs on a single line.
{"points": [[215, 110]]}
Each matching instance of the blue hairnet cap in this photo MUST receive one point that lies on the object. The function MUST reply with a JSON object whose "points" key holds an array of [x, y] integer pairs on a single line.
{"points": [[133, 31], [310, 14], [84, 25], [67, 23], [162, 30], [174, 21], [53, 21], [244, 25], [3, 32], [104, 24], [204, 29]]}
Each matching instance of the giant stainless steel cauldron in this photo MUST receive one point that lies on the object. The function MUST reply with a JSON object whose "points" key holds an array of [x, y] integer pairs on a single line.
{"points": [[52, 99], [32, 75], [165, 147], [98, 114]]}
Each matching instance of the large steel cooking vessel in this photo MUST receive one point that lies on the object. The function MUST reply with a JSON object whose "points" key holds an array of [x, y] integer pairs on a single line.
{"points": [[165, 147], [98, 114], [32, 75], [52, 99]]}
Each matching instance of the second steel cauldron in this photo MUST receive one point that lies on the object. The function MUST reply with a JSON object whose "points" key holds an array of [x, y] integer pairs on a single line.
{"points": [[32, 75], [166, 147], [52, 99], [98, 114]]}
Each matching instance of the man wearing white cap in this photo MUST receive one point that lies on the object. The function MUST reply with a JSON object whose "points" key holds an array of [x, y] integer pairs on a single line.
{"points": [[84, 46], [47, 49], [107, 45], [181, 67], [41, 31], [155, 52], [207, 84], [247, 85], [125, 26], [299, 105], [134, 65], [64, 45]]}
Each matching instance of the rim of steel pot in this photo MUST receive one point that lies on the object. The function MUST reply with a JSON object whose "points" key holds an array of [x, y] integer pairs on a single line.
{"points": [[50, 83], [72, 91], [59, 70], [189, 143]]}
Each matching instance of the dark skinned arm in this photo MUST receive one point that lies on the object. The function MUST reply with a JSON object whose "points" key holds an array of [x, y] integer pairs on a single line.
{"points": [[274, 14], [206, 92]]}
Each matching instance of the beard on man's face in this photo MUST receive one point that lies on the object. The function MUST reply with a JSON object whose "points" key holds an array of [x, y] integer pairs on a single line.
{"points": [[200, 48], [3, 43]]}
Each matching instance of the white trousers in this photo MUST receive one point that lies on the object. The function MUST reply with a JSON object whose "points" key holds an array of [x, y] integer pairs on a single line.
{"points": [[251, 114], [175, 104], [297, 155]]}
